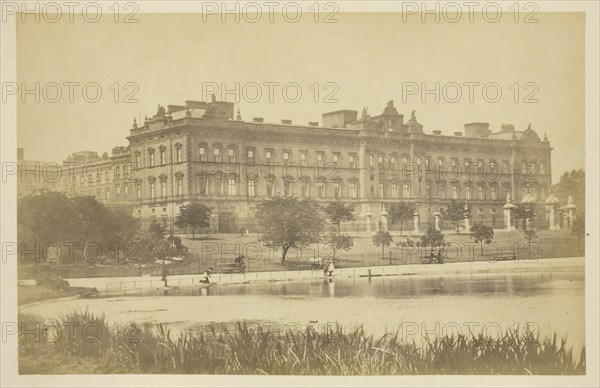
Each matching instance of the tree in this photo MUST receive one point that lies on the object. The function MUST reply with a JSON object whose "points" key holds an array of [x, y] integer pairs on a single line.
{"points": [[456, 212], [578, 230], [482, 234], [339, 242], [194, 215], [338, 212], [156, 230], [382, 239], [399, 213], [432, 238], [289, 222], [523, 211], [572, 183]]}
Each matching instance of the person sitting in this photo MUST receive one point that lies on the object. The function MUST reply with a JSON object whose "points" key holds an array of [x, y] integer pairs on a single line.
{"points": [[206, 276]]}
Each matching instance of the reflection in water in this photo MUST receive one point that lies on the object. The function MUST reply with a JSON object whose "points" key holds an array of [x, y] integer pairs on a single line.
{"points": [[553, 301]]}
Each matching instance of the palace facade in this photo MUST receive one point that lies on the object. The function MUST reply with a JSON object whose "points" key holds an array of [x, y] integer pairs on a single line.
{"points": [[202, 151]]}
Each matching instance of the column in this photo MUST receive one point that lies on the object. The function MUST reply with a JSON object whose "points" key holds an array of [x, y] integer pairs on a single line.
{"points": [[436, 217], [416, 222], [384, 219]]}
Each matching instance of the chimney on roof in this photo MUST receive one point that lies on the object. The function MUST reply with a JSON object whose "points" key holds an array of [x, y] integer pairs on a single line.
{"points": [[457, 133], [258, 119], [313, 123], [438, 132], [286, 121]]}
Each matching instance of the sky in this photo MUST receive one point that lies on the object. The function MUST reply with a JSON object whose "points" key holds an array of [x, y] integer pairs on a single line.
{"points": [[362, 60]]}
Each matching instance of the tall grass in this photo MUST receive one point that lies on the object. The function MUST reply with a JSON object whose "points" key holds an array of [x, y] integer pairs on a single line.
{"points": [[248, 349]]}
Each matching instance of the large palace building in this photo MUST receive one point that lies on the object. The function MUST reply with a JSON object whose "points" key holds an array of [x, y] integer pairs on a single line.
{"points": [[203, 152]]}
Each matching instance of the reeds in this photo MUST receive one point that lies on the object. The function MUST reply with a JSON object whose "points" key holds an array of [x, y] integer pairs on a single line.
{"points": [[254, 349]]}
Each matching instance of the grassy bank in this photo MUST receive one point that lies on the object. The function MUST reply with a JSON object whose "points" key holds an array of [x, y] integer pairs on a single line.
{"points": [[37, 293], [101, 348]]}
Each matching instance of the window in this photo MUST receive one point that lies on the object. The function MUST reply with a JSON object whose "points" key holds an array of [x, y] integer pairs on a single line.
{"points": [[163, 157], [286, 158], [303, 161], [251, 156], [441, 192], [454, 162], [137, 161], [269, 156], [428, 189], [320, 189], [404, 163], [179, 186], [455, 192], [202, 154], [118, 191], [394, 190], [163, 188], [251, 188], [178, 154], [494, 193], [380, 162], [217, 155], [371, 160], [427, 164], [381, 190], [353, 190], [393, 163], [126, 191], [231, 155], [352, 161], [108, 193], [231, 186], [152, 190], [336, 159], [320, 157], [151, 158], [467, 163], [468, 192], [406, 190], [304, 189], [117, 173], [106, 176], [138, 189], [481, 193], [336, 189]]}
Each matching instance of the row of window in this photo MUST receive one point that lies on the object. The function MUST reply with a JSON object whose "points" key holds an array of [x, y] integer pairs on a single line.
{"points": [[391, 162]]}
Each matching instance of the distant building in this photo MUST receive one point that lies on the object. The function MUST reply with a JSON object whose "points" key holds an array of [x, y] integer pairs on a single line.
{"points": [[200, 152]]}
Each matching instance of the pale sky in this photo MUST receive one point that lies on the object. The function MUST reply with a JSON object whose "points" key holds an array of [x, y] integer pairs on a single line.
{"points": [[368, 56]]}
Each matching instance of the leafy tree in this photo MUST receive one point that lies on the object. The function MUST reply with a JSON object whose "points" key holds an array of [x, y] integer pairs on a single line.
{"points": [[482, 234], [572, 183], [578, 230], [53, 217], [382, 239], [156, 230], [339, 242], [194, 215], [456, 212], [401, 212], [338, 212], [432, 238], [523, 211], [289, 222]]}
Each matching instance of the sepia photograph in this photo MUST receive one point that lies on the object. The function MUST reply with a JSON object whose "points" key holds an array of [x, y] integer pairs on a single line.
{"points": [[327, 193]]}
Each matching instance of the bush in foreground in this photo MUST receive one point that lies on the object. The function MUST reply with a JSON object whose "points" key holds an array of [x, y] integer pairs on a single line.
{"points": [[251, 349]]}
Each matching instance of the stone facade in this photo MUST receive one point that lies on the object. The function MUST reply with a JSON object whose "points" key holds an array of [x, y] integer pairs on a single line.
{"points": [[200, 152]]}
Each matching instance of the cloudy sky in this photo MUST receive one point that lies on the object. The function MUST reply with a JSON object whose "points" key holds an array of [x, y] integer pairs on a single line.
{"points": [[369, 58]]}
